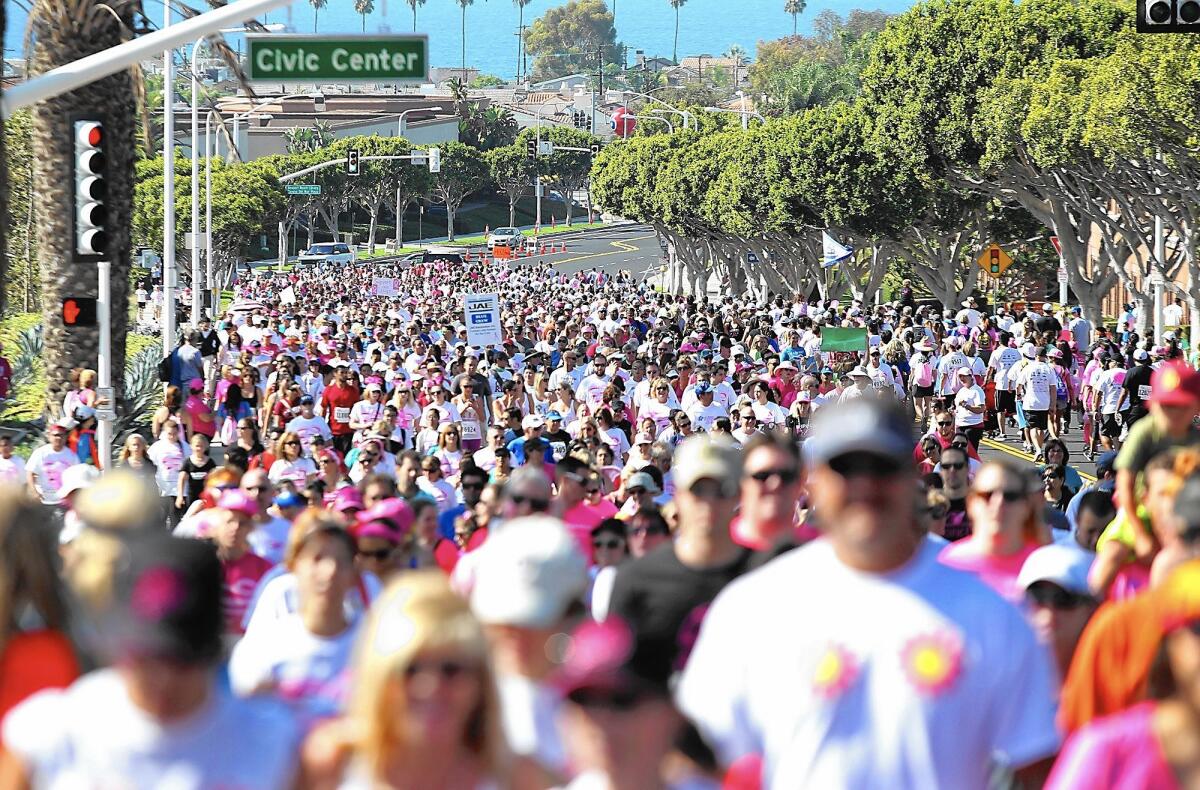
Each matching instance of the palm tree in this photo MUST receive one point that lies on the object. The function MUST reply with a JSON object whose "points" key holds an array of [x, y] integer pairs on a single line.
{"points": [[414, 4], [364, 7], [63, 31], [520, 4], [795, 8], [676, 4], [464, 4], [736, 53], [317, 6]]}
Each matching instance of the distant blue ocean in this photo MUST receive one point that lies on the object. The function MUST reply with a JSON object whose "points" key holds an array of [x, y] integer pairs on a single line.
{"points": [[705, 26]]}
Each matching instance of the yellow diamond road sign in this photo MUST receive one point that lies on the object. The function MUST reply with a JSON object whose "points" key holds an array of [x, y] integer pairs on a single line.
{"points": [[994, 261]]}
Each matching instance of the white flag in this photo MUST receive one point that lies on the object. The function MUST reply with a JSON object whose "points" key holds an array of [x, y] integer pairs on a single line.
{"points": [[287, 295], [835, 252]]}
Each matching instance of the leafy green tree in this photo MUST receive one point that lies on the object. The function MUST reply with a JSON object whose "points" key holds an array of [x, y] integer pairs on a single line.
{"points": [[301, 139], [513, 172], [581, 27], [482, 81], [463, 172], [563, 172]]}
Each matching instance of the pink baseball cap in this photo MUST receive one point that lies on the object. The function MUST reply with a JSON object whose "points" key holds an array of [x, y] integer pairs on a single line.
{"points": [[238, 501]]}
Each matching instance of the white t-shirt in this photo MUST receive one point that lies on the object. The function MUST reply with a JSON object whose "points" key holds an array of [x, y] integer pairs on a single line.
{"points": [[1002, 359], [168, 460], [269, 539], [1039, 381], [703, 417], [91, 735], [47, 467], [529, 714], [914, 678], [276, 597], [947, 372], [307, 428], [12, 470], [297, 471], [1108, 384], [770, 415], [968, 396], [306, 670]]}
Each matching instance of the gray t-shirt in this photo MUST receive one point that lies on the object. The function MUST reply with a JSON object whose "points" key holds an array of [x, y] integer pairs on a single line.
{"points": [[191, 364]]}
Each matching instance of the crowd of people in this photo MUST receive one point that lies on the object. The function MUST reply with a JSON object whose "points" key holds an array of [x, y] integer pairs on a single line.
{"points": [[647, 541]]}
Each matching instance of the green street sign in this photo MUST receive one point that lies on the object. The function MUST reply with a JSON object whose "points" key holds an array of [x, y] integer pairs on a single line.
{"points": [[347, 58], [303, 189]]}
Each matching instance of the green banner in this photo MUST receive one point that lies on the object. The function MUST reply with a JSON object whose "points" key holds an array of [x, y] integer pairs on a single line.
{"points": [[347, 58], [834, 338]]}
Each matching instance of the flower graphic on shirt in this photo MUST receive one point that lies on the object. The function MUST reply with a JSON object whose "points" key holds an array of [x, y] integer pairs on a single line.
{"points": [[932, 662], [836, 671]]}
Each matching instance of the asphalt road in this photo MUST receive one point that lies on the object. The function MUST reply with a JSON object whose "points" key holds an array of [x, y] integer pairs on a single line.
{"points": [[1011, 449], [632, 247]]}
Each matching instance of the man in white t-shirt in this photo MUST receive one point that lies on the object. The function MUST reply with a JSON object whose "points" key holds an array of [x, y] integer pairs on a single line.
{"points": [[947, 382], [1037, 387], [163, 718], [999, 365], [705, 411], [969, 405], [46, 464], [309, 424], [908, 674]]}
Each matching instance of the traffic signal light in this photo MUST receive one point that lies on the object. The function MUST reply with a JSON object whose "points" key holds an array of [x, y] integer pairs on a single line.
{"points": [[353, 166], [531, 146], [79, 311], [595, 148], [91, 189], [1168, 16], [994, 261], [435, 160]]}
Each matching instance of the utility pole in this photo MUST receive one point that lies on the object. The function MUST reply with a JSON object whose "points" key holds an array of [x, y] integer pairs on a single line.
{"points": [[600, 81], [168, 318]]}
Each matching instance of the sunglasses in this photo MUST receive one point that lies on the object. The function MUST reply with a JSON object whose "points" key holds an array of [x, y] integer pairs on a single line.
{"points": [[446, 670], [291, 443], [786, 476], [1009, 495], [749, 418], [643, 531], [534, 502], [953, 466], [378, 555], [591, 491], [1051, 596], [615, 700], [945, 423], [472, 486], [864, 465], [606, 544], [710, 490]]}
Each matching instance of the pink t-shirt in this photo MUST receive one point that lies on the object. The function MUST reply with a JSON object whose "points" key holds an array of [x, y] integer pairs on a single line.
{"points": [[582, 518], [1116, 751], [999, 573], [241, 579]]}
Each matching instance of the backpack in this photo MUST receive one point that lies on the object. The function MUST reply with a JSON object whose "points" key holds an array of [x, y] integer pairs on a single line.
{"points": [[164, 367], [924, 374]]}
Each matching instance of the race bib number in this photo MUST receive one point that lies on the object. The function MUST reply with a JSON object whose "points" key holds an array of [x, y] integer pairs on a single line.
{"points": [[341, 413], [1143, 391], [470, 430]]}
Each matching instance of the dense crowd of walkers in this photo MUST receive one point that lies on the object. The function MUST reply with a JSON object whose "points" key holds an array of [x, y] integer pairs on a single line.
{"points": [[646, 541]]}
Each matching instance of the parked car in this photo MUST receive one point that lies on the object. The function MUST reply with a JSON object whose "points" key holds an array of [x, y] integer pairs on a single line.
{"points": [[505, 237], [329, 252]]}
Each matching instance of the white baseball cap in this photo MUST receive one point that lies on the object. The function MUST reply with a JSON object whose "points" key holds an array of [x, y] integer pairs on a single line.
{"points": [[528, 573], [1064, 565]]}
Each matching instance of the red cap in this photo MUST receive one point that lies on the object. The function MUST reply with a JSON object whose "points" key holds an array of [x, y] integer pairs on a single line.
{"points": [[1174, 384]]}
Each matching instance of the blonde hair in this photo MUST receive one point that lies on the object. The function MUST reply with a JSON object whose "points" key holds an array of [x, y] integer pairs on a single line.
{"points": [[87, 378], [417, 613], [284, 438], [27, 570]]}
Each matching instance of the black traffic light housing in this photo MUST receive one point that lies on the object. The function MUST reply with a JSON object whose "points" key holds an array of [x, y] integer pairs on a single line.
{"points": [[89, 171], [595, 148], [353, 165], [1168, 16], [531, 146], [79, 311]]}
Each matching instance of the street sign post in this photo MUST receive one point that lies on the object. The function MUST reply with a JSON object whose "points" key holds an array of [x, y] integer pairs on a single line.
{"points": [[994, 260], [303, 189], [344, 58]]}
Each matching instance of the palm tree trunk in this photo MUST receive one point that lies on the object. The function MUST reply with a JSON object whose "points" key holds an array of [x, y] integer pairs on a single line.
{"points": [[675, 49], [4, 209], [464, 43], [520, 34], [314, 19], [60, 37], [794, 23], [414, 7], [364, 29]]}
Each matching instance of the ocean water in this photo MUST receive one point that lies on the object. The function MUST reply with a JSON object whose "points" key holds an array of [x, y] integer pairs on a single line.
{"points": [[705, 26]]}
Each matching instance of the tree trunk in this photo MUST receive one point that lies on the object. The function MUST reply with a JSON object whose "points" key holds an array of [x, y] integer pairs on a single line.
{"points": [[414, 8], [512, 209], [520, 40], [451, 209], [464, 47], [675, 49], [371, 228], [315, 9]]}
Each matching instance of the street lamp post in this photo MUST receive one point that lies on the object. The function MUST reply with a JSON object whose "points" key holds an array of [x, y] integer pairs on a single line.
{"points": [[537, 179], [670, 126], [686, 115], [401, 128], [744, 113], [657, 110], [195, 134], [168, 318]]}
